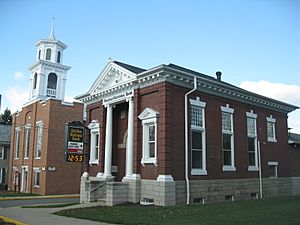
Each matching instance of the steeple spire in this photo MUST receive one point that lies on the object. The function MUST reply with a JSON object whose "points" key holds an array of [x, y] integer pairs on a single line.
{"points": [[51, 36]]}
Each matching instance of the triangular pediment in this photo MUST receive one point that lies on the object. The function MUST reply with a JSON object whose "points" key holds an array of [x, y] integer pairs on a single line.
{"points": [[148, 113], [113, 75]]}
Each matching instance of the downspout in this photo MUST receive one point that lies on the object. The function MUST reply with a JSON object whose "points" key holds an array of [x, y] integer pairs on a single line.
{"points": [[259, 172], [186, 132]]}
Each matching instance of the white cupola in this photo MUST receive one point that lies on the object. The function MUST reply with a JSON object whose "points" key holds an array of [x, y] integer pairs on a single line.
{"points": [[48, 74]]}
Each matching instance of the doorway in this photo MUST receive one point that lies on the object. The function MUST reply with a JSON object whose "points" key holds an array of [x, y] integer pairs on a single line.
{"points": [[120, 119], [24, 179]]}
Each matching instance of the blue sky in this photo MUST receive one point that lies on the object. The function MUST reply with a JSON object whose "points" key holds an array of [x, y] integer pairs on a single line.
{"points": [[256, 44]]}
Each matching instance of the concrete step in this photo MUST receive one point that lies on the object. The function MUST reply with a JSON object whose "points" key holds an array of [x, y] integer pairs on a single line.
{"points": [[101, 201]]}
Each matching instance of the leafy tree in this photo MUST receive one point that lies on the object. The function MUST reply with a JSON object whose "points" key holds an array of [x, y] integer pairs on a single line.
{"points": [[6, 117]]}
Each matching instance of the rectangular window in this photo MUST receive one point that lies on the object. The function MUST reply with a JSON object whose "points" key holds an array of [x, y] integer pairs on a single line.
{"points": [[94, 142], [149, 118], [227, 138], [271, 129], [2, 152], [197, 153], [39, 140], [252, 142], [96, 147], [151, 140], [27, 142], [18, 131], [196, 116], [37, 175], [226, 122], [198, 148], [273, 166]]}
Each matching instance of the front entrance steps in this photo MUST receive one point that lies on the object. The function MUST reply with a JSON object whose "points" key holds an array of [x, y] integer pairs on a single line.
{"points": [[107, 191]]}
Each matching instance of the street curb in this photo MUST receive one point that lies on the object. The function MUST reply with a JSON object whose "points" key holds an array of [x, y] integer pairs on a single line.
{"points": [[38, 197], [9, 220]]}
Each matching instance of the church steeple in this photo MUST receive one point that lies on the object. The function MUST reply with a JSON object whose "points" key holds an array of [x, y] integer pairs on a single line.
{"points": [[48, 74], [51, 36]]}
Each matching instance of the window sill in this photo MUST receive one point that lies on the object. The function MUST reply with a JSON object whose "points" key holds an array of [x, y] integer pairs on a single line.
{"points": [[36, 186], [26, 158], [229, 168], [149, 161], [200, 172], [253, 168], [271, 139], [37, 157], [93, 162]]}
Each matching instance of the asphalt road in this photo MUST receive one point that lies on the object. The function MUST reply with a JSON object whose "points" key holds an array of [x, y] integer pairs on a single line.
{"points": [[14, 203]]}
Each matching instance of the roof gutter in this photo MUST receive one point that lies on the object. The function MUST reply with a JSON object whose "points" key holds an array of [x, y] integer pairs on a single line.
{"points": [[186, 132]]}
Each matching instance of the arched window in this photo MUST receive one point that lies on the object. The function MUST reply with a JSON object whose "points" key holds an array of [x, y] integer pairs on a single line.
{"points": [[48, 54], [52, 80], [39, 54], [34, 80], [58, 57]]}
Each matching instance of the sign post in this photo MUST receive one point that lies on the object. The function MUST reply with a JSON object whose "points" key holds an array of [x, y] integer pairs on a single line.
{"points": [[74, 142]]}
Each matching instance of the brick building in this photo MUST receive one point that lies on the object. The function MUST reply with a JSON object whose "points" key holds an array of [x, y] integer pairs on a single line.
{"points": [[37, 160], [169, 135]]}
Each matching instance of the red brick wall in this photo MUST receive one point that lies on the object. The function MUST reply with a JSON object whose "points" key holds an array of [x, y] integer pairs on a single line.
{"points": [[54, 116], [270, 151], [96, 111], [66, 178], [168, 100]]}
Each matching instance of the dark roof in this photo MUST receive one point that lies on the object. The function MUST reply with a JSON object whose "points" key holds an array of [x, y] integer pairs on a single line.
{"points": [[173, 66], [131, 68], [294, 138]]}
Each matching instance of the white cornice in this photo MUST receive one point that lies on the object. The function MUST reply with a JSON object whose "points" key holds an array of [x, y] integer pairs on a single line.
{"points": [[49, 64], [183, 78], [50, 41]]}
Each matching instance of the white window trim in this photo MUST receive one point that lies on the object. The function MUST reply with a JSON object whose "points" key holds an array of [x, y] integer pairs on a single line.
{"points": [[94, 127], [149, 117], [273, 121], [17, 146], [36, 170], [253, 116], [27, 128], [272, 163], [38, 125], [2, 150], [229, 110], [197, 171]]}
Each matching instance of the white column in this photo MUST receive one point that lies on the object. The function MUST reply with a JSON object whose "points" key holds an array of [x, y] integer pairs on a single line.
{"points": [[108, 142], [129, 149]]}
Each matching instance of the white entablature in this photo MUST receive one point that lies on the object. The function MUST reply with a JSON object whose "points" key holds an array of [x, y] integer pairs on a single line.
{"points": [[112, 76]]}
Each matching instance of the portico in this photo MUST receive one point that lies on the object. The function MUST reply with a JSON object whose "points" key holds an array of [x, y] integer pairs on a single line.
{"points": [[109, 104]]}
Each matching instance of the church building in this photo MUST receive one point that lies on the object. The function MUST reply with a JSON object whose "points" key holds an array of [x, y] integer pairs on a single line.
{"points": [[170, 135], [37, 158]]}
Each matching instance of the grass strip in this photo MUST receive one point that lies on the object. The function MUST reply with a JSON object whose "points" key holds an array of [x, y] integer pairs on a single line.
{"points": [[271, 211]]}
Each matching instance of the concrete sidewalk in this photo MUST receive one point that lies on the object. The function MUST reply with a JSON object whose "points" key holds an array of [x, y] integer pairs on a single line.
{"points": [[43, 216]]}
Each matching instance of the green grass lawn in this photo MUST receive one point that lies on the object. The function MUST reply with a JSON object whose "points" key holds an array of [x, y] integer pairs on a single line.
{"points": [[272, 211]]}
